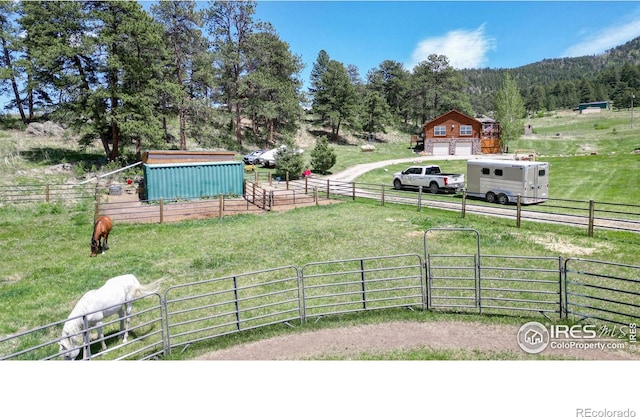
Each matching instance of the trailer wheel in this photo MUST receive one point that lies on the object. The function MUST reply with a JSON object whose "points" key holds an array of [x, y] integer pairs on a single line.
{"points": [[397, 184], [433, 187], [490, 197], [503, 199]]}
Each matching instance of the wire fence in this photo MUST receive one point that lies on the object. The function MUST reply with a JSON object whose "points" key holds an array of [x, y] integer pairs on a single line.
{"points": [[263, 192]]}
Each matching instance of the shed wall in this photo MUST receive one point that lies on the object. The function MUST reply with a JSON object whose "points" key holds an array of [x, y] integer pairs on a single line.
{"points": [[191, 181]]}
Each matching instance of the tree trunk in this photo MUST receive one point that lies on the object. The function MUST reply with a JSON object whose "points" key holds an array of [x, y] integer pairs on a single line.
{"points": [[238, 125], [183, 128], [115, 139], [271, 130], [14, 83]]}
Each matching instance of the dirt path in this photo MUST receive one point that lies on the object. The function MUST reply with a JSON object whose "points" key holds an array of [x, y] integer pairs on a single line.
{"points": [[349, 342], [350, 174]]}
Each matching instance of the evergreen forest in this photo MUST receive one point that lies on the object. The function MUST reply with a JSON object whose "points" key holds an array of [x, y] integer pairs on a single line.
{"points": [[118, 74]]}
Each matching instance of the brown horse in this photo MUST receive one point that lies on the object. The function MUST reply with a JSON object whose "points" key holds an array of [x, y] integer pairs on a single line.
{"points": [[100, 237]]}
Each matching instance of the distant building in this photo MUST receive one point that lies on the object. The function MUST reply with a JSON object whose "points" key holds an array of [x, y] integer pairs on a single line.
{"points": [[593, 107]]}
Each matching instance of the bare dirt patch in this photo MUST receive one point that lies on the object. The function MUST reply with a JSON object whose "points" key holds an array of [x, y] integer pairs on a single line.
{"points": [[556, 244], [349, 342]]}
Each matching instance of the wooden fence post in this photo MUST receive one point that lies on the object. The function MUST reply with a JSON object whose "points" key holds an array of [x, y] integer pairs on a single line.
{"points": [[419, 198], [221, 205], [328, 189], [519, 211], [315, 195], [382, 195], [591, 216], [161, 210], [464, 203], [353, 191]]}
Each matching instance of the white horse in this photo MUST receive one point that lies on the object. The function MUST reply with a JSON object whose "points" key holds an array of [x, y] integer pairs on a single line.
{"points": [[113, 297]]}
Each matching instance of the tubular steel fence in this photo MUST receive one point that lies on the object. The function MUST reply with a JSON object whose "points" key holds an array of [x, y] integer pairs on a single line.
{"points": [[146, 336], [471, 282]]}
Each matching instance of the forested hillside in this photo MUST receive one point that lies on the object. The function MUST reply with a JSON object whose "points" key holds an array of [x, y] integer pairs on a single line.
{"points": [[564, 82], [131, 78]]}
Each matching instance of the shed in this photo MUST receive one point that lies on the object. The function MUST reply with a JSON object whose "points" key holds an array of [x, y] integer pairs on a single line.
{"points": [[193, 180], [593, 107]]}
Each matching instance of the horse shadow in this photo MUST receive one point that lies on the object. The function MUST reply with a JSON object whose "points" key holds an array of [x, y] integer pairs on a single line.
{"points": [[113, 339]]}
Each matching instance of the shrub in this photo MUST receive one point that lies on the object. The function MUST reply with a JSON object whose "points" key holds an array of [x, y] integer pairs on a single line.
{"points": [[322, 156], [289, 160]]}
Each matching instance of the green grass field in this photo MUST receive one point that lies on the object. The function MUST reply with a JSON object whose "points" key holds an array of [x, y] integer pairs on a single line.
{"points": [[44, 248]]}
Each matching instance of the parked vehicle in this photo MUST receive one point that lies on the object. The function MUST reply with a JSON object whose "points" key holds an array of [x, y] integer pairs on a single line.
{"points": [[428, 177], [501, 181], [268, 158], [252, 157]]}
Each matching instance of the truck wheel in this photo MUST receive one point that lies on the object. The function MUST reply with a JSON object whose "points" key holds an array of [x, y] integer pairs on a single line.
{"points": [[433, 188], [503, 199], [397, 184], [490, 197]]}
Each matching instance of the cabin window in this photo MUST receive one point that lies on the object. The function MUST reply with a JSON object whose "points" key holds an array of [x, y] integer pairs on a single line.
{"points": [[465, 130], [440, 131], [542, 172], [486, 171], [497, 172]]}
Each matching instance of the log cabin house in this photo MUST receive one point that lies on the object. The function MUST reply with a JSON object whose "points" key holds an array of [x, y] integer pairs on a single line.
{"points": [[455, 133]]}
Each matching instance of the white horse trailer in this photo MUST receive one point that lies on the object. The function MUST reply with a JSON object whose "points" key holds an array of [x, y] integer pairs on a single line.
{"points": [[501, 181]]}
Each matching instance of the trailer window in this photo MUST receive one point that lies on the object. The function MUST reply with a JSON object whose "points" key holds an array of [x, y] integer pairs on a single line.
{"points": [[542, 172], [440, 130], [497, 172], [486, 171]]}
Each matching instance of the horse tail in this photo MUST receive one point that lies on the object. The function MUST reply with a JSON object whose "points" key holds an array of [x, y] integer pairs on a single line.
{"points": [[149, 288]]}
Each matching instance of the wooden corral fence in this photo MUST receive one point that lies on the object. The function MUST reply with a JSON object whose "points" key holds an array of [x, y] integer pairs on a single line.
{"points": [[258, 198], [46, 193]]}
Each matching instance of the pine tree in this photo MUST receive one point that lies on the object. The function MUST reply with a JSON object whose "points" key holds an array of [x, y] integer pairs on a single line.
{"points": [[322, 156], [289, 161], [338, 99], [186, 44]]}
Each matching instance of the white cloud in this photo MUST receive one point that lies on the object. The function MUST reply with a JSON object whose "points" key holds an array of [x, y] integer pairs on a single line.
{"points": [[598, 42], [465, 49]]}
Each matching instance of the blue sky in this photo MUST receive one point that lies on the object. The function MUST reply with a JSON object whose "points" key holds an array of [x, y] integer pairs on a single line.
{"points": [[472, 34]]}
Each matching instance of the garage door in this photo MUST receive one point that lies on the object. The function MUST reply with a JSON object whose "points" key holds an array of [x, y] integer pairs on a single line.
{"points": [[463, 148], [441, 149]]}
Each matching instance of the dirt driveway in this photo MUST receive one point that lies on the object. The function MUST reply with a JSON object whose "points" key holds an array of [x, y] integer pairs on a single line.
{"points": [[348, 342]]}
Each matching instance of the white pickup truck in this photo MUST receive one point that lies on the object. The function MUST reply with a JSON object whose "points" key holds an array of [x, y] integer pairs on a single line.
{"points": [[428, 177]]}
